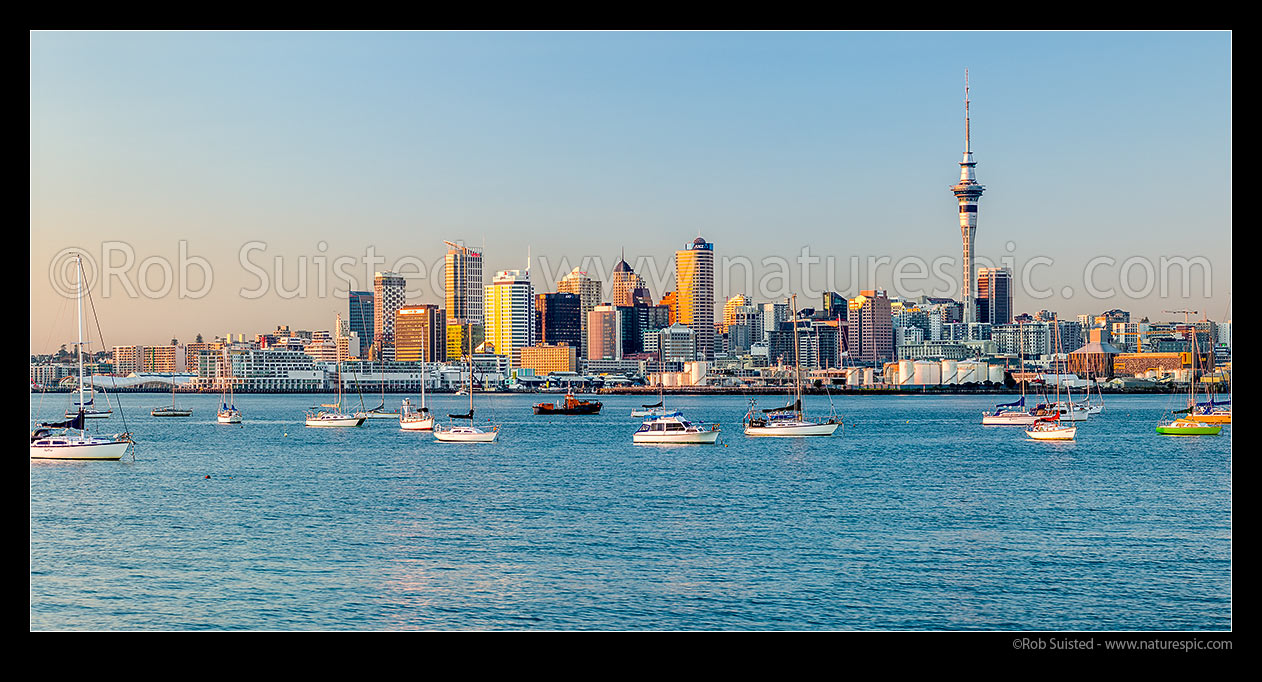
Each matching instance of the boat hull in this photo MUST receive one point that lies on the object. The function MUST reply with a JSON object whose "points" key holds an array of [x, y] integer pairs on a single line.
{"points": [[1054, 434], [229, 418], [464, 435], [336, 422], [698, 438], [1206, 430], [88, 451], [790, 430], [548, 408], [171, 413], [381, 415], [426, 424], [1212, 418], [1008, 419]]}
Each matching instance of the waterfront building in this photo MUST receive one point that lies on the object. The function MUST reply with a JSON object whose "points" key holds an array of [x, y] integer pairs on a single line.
{"points": [[871, 328], [546, 359], [694, 291], [677, 343], [420, 333], [1030, 339], [510, 313], [388, 296], [589, 292]]}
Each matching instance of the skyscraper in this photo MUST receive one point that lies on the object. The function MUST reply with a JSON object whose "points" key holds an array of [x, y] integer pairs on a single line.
{"points": [[388, 297], [464, 284], [420, 333], [628, 288], [994, 295], [694, 292], [967, 193], [732, 308], [588, 291], [510, 313], [360, 318], [560, 319]]}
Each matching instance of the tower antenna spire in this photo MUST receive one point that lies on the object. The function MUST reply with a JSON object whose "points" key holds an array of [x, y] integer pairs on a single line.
{"points": [[968, 143]]}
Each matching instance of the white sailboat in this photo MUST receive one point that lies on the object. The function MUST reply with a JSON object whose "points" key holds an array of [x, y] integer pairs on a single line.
{"points": [[1013, 413], [334, 416], [417, 419], [173, 410], [788, 421], [70, 439], [380, 411], [466, 434], [228, 412], [1050, 426]]}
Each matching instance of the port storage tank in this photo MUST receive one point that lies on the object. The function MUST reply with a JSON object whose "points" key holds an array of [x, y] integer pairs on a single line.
{"points": [[950, 371], [926, 373], [996, 374], [968, 372], [905, 372], [852, 377], [869, 376]]}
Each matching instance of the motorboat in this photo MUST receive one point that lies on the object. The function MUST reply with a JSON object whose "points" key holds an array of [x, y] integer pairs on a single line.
{"points": [[672, 428]]}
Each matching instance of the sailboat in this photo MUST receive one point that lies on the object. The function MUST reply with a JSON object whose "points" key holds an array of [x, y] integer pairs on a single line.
{"points": [[1019, 415], [1188, 425], [171, 411], [789, 420], [470, 433], [334, 416], [417, 419], [1049, 426], [89, 408], [70, 439], [657, 409], [380, 411], [228, 412]]}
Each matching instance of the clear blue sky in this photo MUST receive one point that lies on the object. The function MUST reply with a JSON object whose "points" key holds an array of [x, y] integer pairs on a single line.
{"points": [[1091, 145]]}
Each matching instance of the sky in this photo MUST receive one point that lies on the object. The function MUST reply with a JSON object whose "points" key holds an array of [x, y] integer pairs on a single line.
{"points": [[228, 182]]}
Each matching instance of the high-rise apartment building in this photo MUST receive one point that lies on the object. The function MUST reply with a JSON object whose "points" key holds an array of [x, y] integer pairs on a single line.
{"points": [[465, 285], [871, 328], [509, 313], [694, 292], [388, 296], [731, 309]]}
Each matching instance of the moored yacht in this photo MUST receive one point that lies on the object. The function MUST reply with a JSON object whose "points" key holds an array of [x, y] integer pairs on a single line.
{"points": [[672, 428]]}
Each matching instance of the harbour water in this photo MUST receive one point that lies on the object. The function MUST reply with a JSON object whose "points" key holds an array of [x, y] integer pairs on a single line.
{"points": [[915, 517]]}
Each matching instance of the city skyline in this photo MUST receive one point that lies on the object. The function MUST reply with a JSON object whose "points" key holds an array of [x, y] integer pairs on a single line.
{"points": [[765, 143]]}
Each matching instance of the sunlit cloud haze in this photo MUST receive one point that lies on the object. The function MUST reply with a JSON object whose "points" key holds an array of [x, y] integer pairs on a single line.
{"points": [[310, 147]]}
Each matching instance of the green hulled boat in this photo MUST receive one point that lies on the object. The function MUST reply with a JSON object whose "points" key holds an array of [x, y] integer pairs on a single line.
{"points": [[1188, 427]]}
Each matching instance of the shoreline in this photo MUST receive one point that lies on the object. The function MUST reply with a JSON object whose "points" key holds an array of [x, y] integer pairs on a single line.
{"points": [[646, 391]]}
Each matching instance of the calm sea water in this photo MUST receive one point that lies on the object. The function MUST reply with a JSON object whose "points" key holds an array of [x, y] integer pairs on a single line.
{"points": [[916, 517]]}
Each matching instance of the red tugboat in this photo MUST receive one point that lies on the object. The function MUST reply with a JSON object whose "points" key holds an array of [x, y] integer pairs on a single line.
{"points": [[571, 405]]}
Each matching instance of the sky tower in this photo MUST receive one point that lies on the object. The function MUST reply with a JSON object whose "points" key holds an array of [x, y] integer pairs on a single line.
{"points": [[967, 192]]}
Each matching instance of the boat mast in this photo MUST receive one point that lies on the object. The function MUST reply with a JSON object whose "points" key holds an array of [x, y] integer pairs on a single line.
{"points": [[797, 375], [79, 300]]}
